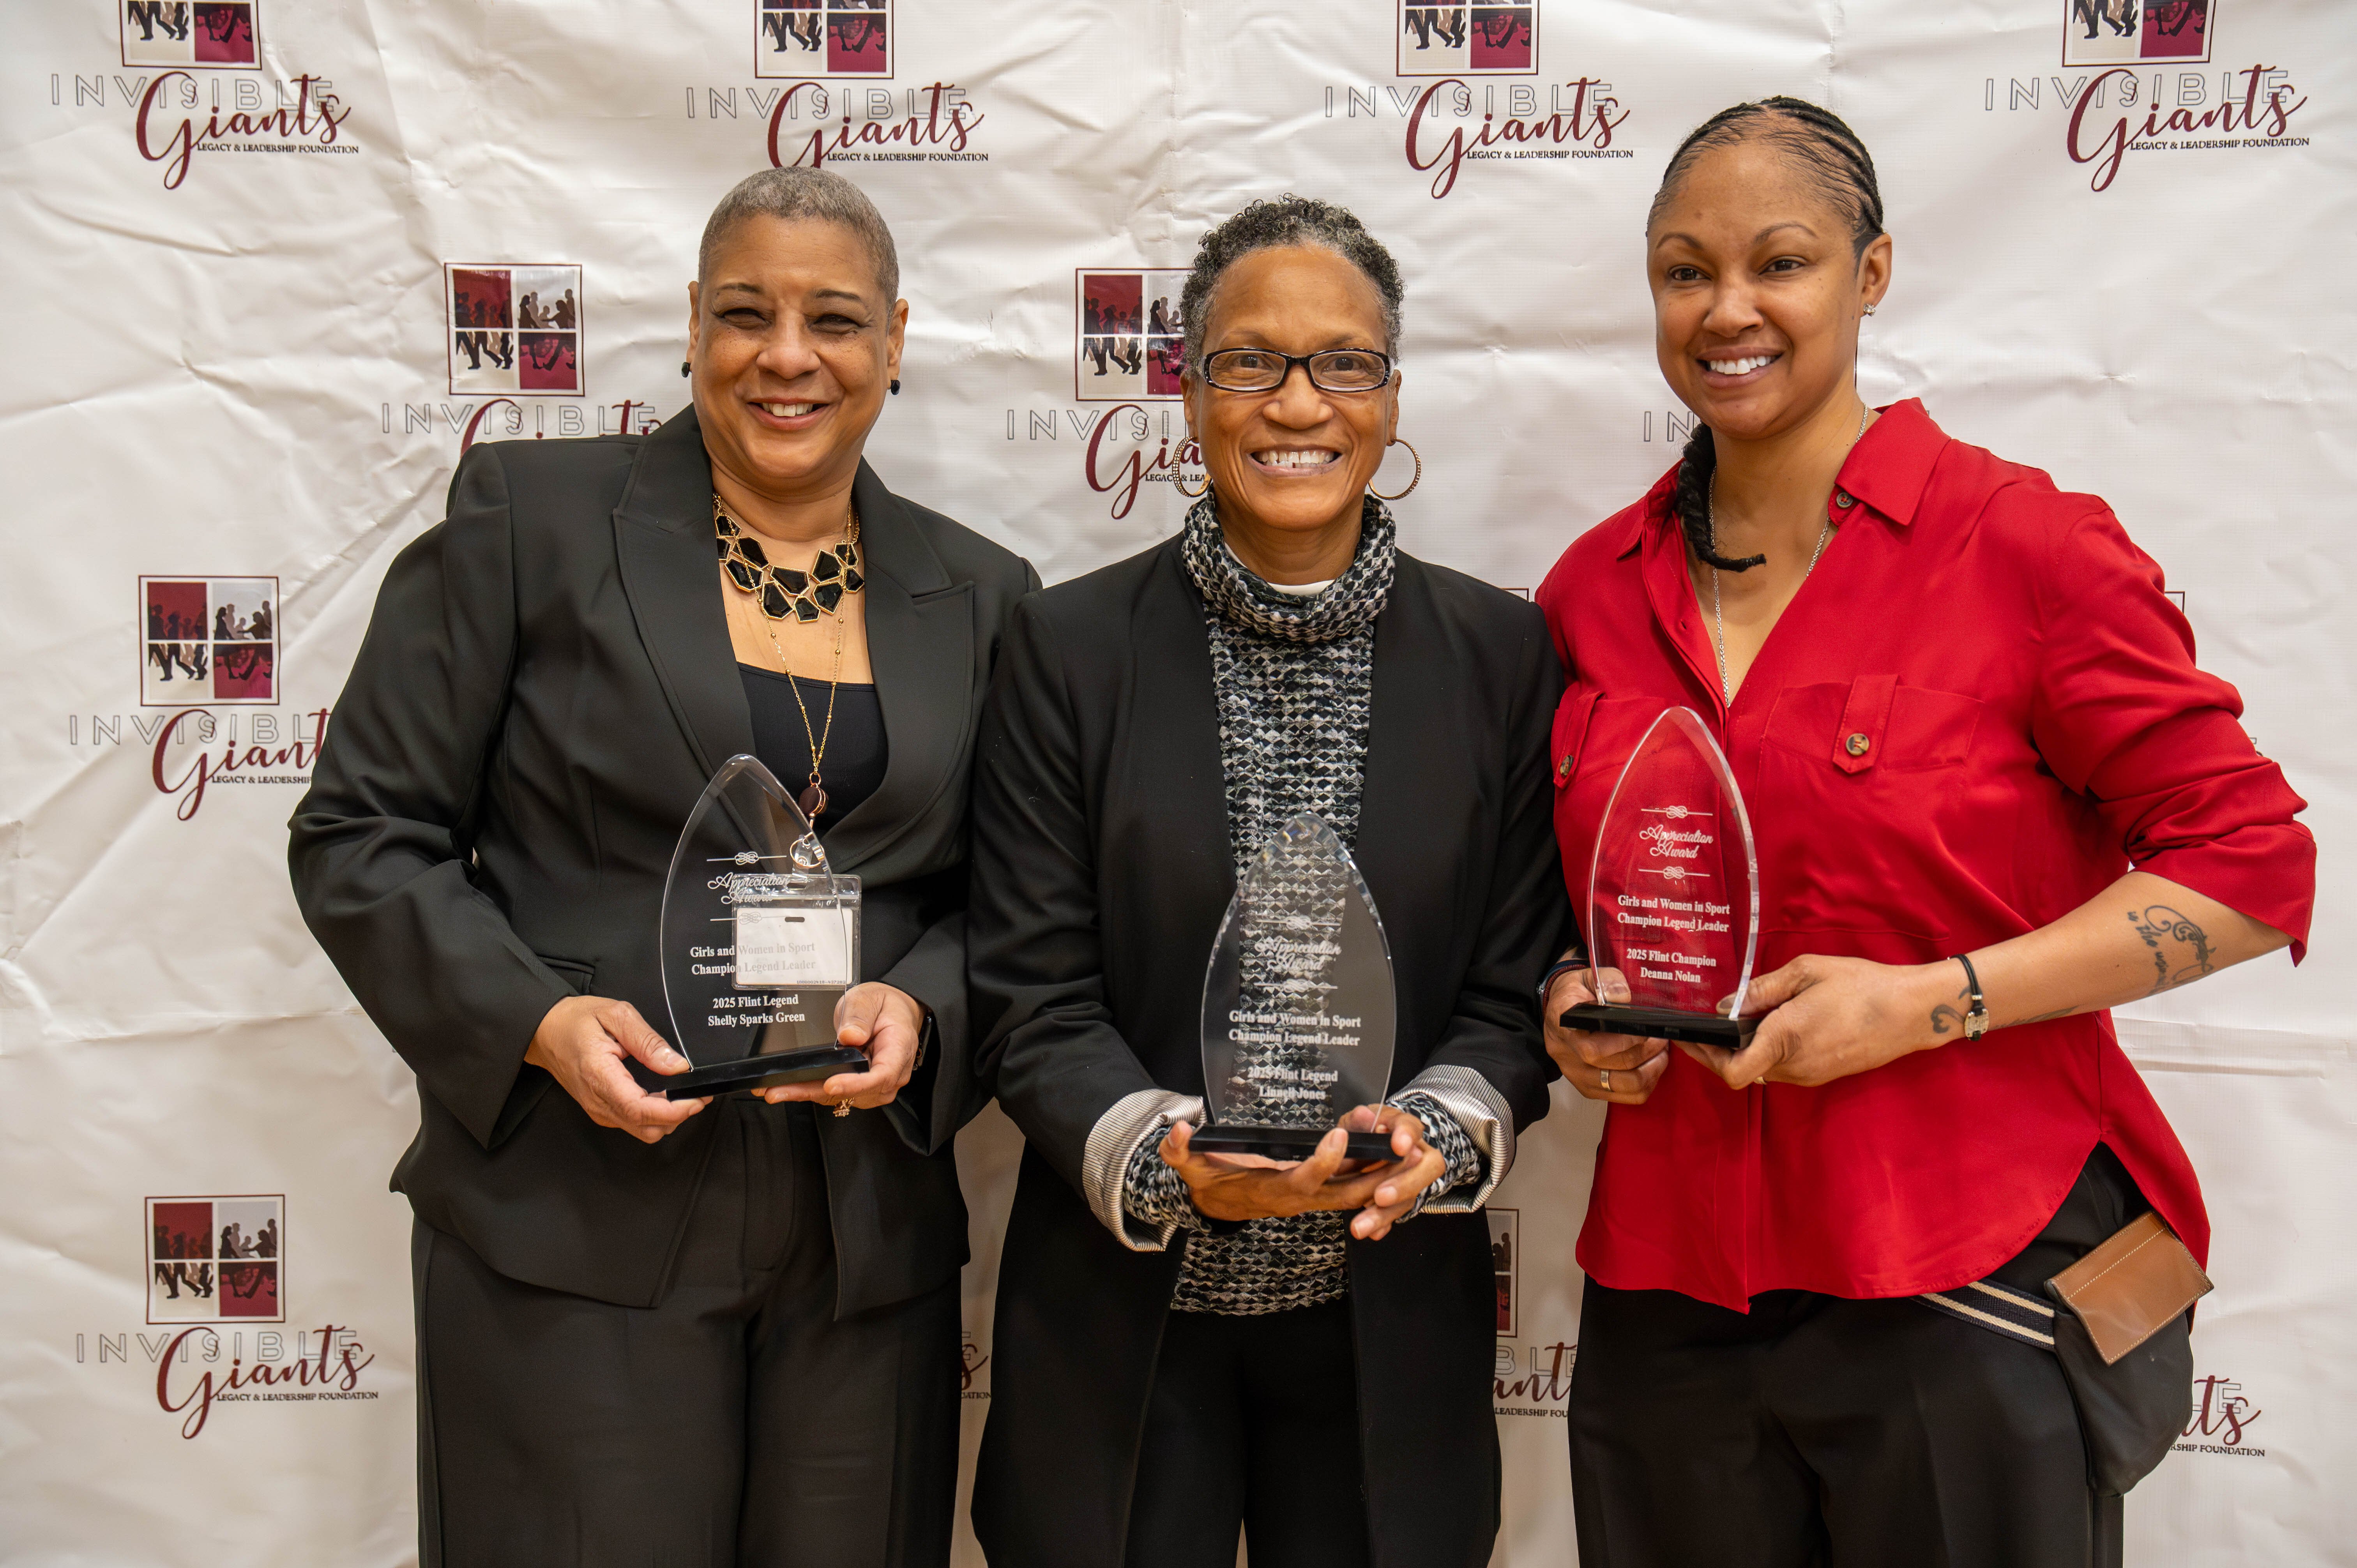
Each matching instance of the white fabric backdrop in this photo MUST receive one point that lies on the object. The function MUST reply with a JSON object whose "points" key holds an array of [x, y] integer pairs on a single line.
{"points": [[232, 380]]}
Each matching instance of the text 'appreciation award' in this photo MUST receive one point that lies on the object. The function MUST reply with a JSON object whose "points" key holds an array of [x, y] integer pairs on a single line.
{"points": [[1298, 1007], [1673, 899], [760, 941]]}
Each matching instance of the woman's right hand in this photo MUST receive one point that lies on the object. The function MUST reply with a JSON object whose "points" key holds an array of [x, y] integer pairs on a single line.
{"points": [[583, 1041], [1619, 1068], [1252, 1186]]}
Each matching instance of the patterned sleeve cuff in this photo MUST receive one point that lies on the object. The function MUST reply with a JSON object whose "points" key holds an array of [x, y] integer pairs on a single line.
{"points": [[1475, 1134], [1122, 1151]]}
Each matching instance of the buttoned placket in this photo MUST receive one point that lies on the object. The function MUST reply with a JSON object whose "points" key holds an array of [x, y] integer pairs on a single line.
{"points": [[1740, 727]]}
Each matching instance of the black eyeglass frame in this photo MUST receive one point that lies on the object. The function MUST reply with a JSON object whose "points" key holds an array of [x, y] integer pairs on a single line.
{"points": [[1307, 361]]}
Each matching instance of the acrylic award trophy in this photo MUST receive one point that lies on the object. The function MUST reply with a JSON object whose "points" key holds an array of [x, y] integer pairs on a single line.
{"points": [[759, 940], [1298, 1007], [1674, 896]]}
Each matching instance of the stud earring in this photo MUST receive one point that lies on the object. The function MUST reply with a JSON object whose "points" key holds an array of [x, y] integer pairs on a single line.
{"points": [[896, 386], [683, 367]]}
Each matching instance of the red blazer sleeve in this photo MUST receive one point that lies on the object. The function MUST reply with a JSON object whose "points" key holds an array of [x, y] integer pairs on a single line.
{"points": [[2123, 717]]}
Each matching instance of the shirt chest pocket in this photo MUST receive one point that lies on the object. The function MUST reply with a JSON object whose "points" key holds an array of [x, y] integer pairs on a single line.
{"points": [[1875, 725], [1571, 716], [1595, 733]]}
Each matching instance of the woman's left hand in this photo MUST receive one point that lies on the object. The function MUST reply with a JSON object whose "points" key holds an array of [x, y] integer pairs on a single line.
{"points": [[887, 1023], [1833, 1017], [1416, 1166]]}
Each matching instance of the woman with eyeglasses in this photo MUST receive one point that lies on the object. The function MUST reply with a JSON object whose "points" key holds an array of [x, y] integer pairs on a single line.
{"points": [[1192, 1344]]}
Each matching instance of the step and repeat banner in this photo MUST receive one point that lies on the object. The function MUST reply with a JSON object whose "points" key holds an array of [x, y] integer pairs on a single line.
{"points": [[273, 264]]}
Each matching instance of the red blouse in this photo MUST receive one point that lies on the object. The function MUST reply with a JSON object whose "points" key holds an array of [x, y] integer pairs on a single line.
{"points": [[2035, 727]]}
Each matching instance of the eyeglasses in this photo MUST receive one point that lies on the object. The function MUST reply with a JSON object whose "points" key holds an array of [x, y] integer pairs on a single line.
{"points": [[1265, 370]]}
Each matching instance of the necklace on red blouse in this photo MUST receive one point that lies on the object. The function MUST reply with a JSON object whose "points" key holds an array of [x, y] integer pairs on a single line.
{"points": [[1719, 621]]}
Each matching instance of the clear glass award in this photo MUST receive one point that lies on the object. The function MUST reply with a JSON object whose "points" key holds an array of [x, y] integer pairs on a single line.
{"points": [[759, 940], [1297, 1005], [1674, 896]]}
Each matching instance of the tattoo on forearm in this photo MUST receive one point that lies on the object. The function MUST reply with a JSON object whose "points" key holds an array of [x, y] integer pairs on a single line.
{"points": [[2181, 949]]}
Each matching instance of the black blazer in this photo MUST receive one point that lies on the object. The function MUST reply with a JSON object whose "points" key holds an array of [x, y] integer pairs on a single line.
{"points": [[545, 688], [1101, 871]]}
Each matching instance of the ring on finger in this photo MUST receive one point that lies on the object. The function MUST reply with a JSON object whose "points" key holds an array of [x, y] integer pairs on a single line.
{"points": [[1605, 1078], [843, 1108]]}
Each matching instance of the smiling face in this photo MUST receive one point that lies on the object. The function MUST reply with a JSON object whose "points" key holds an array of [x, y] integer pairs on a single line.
{"points": [[1296, 458], [791, 343], [1757, 290]]}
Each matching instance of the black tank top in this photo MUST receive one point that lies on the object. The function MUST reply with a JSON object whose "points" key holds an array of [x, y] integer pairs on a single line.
{"points": [[856, 754]]}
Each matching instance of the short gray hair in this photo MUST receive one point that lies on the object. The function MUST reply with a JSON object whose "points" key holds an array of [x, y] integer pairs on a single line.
{"points": [[1286, 221], [799, 193]]}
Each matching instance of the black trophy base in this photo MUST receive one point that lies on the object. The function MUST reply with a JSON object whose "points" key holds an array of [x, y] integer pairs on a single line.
{"points": [[1661, 1024], [761, 1072], [1285, 1143]]}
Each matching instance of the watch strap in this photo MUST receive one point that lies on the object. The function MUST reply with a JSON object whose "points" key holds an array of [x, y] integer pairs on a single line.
{"points": [[1976, 1021]]}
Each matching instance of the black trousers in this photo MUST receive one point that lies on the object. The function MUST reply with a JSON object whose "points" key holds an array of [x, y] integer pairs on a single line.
{"points": [[1822, 1432], [1252, 1425], [736, 1424]]}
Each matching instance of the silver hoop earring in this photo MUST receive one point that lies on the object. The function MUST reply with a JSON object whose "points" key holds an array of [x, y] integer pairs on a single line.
{"points": [[1412, 484], [1180, 486]]}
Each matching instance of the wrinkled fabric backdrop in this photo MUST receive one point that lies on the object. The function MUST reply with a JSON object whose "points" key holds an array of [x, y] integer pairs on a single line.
{"points": [[271, 264]]}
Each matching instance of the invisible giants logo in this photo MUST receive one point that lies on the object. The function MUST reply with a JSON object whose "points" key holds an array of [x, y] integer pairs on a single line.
{"points": [[513, 329], [2119, 32], [2117, 104], [1456, 110], [1467, 40], [213, 1259], [208, 641], [807, 38], [1126, 342], [216, 33], [215, 1269]]}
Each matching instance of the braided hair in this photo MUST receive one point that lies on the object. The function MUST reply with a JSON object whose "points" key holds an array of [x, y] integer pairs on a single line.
{"points": [[1837, 163]]}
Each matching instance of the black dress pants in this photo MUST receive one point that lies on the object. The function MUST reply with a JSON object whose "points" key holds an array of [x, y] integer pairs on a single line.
{"points": [[1252, 1425], [1817, 1432], [737, 1423]]}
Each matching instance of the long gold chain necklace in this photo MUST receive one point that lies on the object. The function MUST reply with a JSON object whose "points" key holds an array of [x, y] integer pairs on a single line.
{"points": [[832, 575]]}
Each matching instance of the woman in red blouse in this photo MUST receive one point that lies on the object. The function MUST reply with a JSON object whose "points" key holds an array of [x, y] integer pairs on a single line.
{"points": [[1966, 720]]}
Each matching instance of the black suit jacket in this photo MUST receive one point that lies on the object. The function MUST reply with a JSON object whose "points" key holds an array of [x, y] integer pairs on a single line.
{"points": [[544, 689], [1101, 872]]}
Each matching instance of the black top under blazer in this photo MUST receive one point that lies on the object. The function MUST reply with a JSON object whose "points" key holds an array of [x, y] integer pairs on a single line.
{"points": [[545, 688], [1101, 872]]}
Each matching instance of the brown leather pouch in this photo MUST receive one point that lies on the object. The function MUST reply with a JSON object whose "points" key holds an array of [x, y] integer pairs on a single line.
{"points": [[2130, 1287]]}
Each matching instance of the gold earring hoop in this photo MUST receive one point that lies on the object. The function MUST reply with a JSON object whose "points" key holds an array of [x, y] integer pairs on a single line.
{"points": [[1180, 485], [1412, 484]]}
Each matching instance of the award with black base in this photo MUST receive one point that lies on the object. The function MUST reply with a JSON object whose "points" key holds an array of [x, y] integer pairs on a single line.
{"points": [[1673, 896], [759, 940], [1297, 1006]]}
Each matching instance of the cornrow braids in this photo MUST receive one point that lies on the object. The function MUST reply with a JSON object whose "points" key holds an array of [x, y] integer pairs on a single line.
{"points": [[1271, 225], [1843, 171], [1835, 159]]}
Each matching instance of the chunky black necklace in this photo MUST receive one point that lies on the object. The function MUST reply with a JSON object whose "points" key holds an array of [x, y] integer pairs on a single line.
{"points": [[780, 590]]}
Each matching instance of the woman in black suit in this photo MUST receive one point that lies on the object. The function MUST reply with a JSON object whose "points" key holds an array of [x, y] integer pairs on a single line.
{"points": [[708, 1332], [1311, 1359]]}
